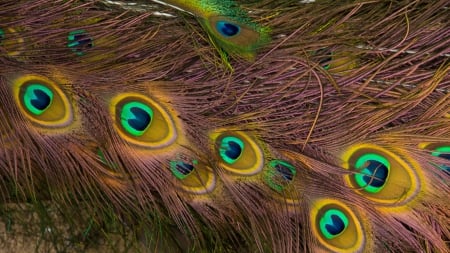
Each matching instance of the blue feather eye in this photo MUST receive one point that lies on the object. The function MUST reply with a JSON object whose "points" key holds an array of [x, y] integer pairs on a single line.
{"points": [[194, 176], [231, 149], [79, 41], [227, 29], [381, 175], [181, 169], [37, 98], [280, 174], [136, 117], [374, 171], [142, 121], [42, 101], [333, 223], [336, 226], [238, 152]]}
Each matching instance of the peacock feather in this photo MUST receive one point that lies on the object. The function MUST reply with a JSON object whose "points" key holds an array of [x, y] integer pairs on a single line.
{"points": [[229, 26], [123, 127]]}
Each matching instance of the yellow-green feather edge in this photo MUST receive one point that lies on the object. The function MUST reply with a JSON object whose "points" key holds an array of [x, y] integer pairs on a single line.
{"points": [[252, 38]]}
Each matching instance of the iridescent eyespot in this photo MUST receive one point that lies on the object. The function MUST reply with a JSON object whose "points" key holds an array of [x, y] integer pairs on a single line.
{"points": [[142, 121], [381, 175], [231, 149], [336, 226], [280, 174], [332, 223], [136, 117], [79, 41], [236, 37], [37, 98], [194, 177], [181, 169], [227, 29], [238, 152], [373, 172], [42, 101]]}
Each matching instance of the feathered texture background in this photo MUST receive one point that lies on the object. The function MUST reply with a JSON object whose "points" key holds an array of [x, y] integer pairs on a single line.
{"points": [[135, 121]]}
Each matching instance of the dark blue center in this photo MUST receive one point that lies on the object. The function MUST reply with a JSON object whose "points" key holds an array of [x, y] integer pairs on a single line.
{"points": [[337, 227], [83, 40], [227, 29], [379, 173], [141, 119], [184, 168], [445, 156], [79, 40], [285, 172], [234, 150], [41, 100]]}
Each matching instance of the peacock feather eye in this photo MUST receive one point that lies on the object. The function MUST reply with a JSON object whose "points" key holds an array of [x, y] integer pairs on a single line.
{"points": [[333, 222], [79, 41], [238, 152], [136, 117], [235, 36], [181, 169], [227, 25], [42, 101], [381, 175], [194, 176], [231, 148], [142, 121], [374, 172], [336, 226], [280, 174], [227, 29], [37, 98]]}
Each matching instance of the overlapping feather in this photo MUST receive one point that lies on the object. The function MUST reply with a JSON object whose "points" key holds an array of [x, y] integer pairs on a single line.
{"points": [[372, 74]]}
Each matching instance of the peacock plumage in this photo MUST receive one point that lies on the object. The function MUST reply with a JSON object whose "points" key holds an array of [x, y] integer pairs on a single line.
{"points": [[226, 126]]}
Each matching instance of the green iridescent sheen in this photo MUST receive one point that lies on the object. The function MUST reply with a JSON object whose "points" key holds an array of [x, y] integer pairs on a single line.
{"points": [[72, 42], [364, 171], [29, 96], [176, 172], [440, 150], [127, 114], [225, 148], [273, 172], [326, 222]]}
